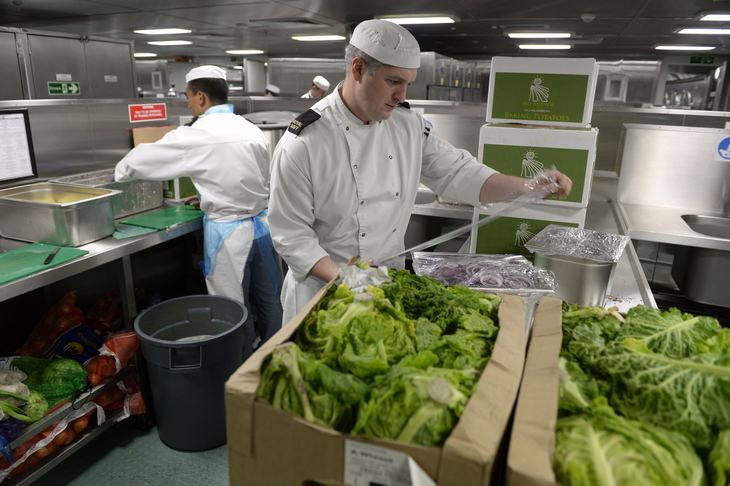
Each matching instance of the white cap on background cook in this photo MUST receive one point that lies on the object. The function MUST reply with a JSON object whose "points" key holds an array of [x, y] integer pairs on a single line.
{"points": [[388, 43], [205, 72], [321, 82], [273, 88]]}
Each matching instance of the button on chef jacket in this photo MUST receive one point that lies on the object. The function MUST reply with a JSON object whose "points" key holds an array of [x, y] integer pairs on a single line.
{"points": [[344, 188]]}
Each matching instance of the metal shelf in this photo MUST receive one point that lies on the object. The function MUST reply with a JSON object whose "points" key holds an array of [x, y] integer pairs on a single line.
{"points": [[56, 415]]}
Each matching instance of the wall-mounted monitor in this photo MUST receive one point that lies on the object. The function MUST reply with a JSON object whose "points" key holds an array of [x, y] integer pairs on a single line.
{"points": [[17, 160]]}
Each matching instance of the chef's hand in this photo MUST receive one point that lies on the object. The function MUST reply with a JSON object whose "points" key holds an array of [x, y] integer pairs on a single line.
{"points": [[553, 182], [193, 201]]}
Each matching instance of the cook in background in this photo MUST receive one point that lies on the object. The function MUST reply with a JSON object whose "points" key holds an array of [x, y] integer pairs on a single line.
{"points": [[272, 90], [346, 172], [319, 88], [227, 158]]}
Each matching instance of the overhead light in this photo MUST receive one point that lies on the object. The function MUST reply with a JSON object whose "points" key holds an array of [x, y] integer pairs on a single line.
{"points": [[243, 52], [315, 38], [684, 48], [145, 54], [545, 46], [419, 19], [162, 31], [702, 31], [715, 18], [237, 67], [538, 35], [170, 43]]}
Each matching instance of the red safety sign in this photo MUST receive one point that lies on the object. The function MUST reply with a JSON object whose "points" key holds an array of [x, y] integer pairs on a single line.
{"points": [[147, 112]]}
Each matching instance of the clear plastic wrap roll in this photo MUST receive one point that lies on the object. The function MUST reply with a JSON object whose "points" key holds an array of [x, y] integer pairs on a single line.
{"points": [[488, 272], [598, 246]]}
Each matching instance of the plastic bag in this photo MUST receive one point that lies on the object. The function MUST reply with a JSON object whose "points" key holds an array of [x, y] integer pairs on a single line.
{"points": [[494, 272], [592, 245], [359, 276]]}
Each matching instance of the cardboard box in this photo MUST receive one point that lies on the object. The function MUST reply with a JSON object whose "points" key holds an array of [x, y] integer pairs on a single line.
{"points": [[176, 189], [510, 232], [532, 441], [524, 151], [267, 446], [542, 90]]}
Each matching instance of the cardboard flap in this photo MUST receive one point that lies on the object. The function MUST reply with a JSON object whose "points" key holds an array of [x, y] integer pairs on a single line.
{"points": [[530, 456], [150, 134], [240, 389], [470, 450]]}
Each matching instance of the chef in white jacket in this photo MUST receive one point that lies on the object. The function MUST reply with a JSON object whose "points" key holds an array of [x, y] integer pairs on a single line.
{"points": [[319, 88], [227, 158], [346, 172]]}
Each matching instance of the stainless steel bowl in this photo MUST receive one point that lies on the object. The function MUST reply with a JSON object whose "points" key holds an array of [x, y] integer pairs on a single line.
{"points": [[60, 214], [579, 281]]}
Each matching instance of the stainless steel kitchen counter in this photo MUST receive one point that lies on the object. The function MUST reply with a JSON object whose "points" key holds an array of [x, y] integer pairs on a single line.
{"points": [[665, 225], [100, 252], [630, 286]]}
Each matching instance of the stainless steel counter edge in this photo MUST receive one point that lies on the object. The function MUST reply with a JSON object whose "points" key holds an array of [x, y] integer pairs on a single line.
{"points": [[665, 225], [100, 252]]}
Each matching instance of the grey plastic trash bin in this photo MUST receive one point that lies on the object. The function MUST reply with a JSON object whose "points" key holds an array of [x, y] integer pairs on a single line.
{"points": [[192, 345]]}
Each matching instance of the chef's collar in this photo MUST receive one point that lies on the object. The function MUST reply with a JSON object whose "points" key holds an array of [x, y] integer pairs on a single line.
{"points": [[345, 112], [219, 109]]}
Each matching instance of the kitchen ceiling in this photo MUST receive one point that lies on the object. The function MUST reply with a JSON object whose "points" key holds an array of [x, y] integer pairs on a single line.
{"points": [[607, 30]]}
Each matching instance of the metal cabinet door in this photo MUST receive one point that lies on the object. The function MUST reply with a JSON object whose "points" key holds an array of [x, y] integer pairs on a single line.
{"points": [[58, 60], [11, 87], [110, 69]]}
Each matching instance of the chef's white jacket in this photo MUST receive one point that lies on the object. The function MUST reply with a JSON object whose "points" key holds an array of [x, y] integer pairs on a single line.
{"points": [[307, 95], [224, 154], [341, 188], [227, 158]]}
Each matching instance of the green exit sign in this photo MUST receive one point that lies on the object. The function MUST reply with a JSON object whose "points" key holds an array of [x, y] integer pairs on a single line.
{"points": [[68, 88], [701, 60]]}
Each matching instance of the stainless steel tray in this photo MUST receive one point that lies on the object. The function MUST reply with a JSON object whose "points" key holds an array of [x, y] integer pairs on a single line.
{"points": [[136, 197], [60, 214]]}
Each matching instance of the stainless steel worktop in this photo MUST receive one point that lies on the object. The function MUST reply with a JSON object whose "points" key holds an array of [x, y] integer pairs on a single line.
{"points": [[100, 252], [665, 225]]}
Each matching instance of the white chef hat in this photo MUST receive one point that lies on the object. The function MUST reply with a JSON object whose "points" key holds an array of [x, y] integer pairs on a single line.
{"points": [[273, 88], [321, 82], [205, 72], [388, 43]]}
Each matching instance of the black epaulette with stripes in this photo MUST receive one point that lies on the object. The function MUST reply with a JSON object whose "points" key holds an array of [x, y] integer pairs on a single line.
{"points": [[306, 118]]}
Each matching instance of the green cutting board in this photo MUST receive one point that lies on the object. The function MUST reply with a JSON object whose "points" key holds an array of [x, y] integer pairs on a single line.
{"points": [[165, 218], [27, 260]]}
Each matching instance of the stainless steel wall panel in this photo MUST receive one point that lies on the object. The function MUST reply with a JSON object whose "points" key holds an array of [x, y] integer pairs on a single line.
{"points": [[62, 139], [674, 167], [57, 59], [11, 86], [294, 76], [110, 69]]}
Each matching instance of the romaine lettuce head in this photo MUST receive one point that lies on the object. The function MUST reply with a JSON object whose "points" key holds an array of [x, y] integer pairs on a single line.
{"points": [[296, 382], [604, 449], [577, 389], [415, 405]]}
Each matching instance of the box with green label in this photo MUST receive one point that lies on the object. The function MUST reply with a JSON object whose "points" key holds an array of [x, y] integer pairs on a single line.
{"points": [[509, 233], [526, 150], [179, 189], [542, 90]]}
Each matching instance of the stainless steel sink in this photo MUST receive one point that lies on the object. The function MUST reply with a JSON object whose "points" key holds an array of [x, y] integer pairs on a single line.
{"points": [[715, 226], [706, 272]]}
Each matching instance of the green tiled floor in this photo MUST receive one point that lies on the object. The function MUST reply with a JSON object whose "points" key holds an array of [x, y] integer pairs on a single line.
{"points": [[125, 455]]}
